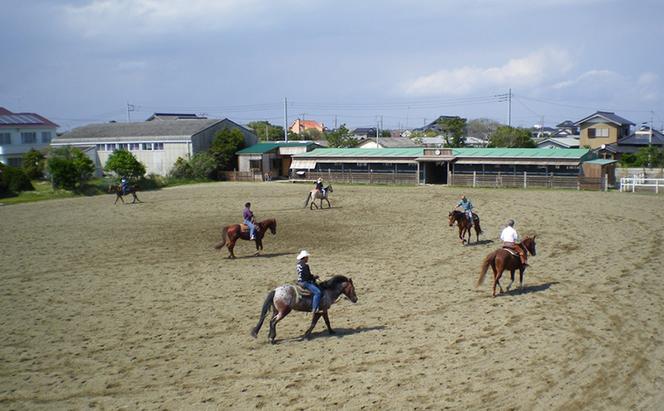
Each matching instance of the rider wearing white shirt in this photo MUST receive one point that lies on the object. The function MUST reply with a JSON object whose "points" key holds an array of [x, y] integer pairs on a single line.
{"points": [[510, 238]]}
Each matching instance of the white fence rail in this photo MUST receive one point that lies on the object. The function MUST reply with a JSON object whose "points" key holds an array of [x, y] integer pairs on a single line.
{"points": [[638, 183]]}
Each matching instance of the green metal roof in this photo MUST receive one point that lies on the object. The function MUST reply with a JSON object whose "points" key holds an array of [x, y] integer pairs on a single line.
{"points": [[364, 152], [601, 161], [540, 153], [267, 146]]}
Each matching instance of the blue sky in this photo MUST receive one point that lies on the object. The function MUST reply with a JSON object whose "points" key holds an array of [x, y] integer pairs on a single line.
{"points": [[405, 62]]}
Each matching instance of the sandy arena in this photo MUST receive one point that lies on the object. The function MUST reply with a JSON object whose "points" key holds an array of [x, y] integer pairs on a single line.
{"points": [[130, 307]]}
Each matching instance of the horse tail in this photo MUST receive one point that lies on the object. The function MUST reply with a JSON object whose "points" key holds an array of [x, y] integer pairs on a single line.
{"points": [[485, 267], [266, 306], [307, 200], [221, 245]]}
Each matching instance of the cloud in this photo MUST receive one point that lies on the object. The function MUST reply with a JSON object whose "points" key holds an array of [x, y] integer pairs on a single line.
{"points": [[534, 69], [610, 85], [121, 17]]}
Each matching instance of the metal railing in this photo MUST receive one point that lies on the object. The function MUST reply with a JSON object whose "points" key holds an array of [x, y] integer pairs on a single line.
{"points": [[525, 180]]}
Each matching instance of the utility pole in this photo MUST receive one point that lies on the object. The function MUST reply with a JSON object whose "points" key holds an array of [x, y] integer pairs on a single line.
{"points": [[130, 108], [509, 110], [286, 119]]}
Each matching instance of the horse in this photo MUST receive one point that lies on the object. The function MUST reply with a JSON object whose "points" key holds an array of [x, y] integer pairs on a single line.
{"points": [[465, 225], [316, 194], [231, 233], [117, 189], [501, 260], [286, 298]]}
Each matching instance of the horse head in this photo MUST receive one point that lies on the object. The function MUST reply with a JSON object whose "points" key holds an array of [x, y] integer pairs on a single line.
{"points": [[529, 244], [451, 218], [272, 225], [328, 189], [341, 285], [349, 290]]}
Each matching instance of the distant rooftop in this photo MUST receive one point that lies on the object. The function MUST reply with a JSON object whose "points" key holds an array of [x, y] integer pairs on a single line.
{"points": [[175, 116], [7, 118], [607, 115]]}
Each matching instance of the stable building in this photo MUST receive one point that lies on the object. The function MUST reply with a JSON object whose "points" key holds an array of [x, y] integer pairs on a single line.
{"points": [[272, 157]]}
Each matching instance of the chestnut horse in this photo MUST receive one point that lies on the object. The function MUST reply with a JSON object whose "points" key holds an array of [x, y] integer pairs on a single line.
{"points": [[231, 233], [501, 260], [465, 225], [286, 298], [316, 194], [117, 189]]}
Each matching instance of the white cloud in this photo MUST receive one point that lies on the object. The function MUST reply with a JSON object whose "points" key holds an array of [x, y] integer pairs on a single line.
{"points": [[536, 68], [117, 17]]}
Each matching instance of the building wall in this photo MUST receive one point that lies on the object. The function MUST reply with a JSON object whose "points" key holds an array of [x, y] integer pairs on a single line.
{"points": [[585, 141], [203, 140], [12, 153]]}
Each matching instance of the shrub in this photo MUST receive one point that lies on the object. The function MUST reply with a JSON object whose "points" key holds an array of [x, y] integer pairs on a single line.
{"points": [[34, 164], [123, 163], [13, 180], [69, 167], [181, 169]]}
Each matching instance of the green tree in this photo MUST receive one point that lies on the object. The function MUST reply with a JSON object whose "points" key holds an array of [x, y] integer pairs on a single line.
{"points": [[511, 137], [453, 129], [651, 156], [181, 169], [266, 131], [123, 163], [13, 180], [312, 134], [34, 163], [385, 133], [481, 127], [341, 137], [224, 146], [69, 167], [203, 166]]}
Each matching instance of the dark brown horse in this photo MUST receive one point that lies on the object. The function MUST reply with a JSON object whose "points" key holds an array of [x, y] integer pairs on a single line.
{"points": [[464, 225], [231, 233], [501, 260], [286, 298], [117, 189]]}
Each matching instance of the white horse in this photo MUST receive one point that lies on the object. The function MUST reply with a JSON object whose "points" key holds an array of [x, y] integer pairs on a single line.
{"points": [[315, 195]]}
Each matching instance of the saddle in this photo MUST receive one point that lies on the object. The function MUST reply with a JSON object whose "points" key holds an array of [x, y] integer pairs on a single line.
{"points": [[245, 228], [300, 292], [511, 251]]}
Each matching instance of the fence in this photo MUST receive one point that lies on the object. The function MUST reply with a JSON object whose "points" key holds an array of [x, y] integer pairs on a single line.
{"points": [[526, 180], [242, 175], [364, 177], [638, 183]]}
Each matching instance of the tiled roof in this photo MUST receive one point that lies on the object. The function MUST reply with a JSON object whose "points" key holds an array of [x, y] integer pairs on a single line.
{"points": [[162, 128], [607, 115], [643, 139], [363, 152]]}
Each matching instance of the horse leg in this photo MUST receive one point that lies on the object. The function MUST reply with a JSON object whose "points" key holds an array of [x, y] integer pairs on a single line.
{"points": [[327, 322], [231, 245], [497, 273], [259, 245], [511, 280], [328, 203], [314, 320], [273, 322], [521, 270]]}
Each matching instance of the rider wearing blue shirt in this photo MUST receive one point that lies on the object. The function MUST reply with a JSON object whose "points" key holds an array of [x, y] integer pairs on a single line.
{"points": [[307, 280], [248, 217], [467, 207], [124, 184]]}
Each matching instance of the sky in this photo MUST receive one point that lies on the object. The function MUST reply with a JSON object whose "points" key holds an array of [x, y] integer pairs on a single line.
{"points": [[394, 63]]}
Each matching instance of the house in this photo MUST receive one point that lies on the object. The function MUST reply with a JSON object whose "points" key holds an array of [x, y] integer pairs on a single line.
{"points": [[272, 157], [175, 116], [362, 133], [559, 142], [436, 125], [300, 126], [639, 139], [387, 142], [157, 144], [21, 132], [602, 128], [567, 128]]}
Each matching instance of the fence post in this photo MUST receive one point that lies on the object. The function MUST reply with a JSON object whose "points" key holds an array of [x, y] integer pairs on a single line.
{"points": [[634, 184], [498, 180], [656, 186], [474, 178], [578, 183], [370, 176], [394, 177], [525, 179], [606, 182]]}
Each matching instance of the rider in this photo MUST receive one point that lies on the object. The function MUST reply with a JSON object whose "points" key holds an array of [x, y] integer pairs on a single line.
{"points": [[319, 186], [467, 207], [124, 184], [248, 217], [307, 280], [510, 238]]}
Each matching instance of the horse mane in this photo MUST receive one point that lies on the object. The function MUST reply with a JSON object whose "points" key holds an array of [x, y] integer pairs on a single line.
{"points": [[333, 282]]}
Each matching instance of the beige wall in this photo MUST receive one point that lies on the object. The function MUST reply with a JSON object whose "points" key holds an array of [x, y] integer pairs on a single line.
{"points": [[595, 142]]}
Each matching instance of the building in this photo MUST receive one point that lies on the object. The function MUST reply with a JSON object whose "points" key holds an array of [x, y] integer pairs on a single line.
{"points": [[602, 128], [300, 126], [273, 157], [175, 116], [437, 124], [631, 144], [157, 144], [387, 142], [559, 142], [22, 132], [363, 133]]}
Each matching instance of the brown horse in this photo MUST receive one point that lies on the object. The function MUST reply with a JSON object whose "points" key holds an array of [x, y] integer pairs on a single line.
{"points": [[464, 225], [231, 233], [286, 298], [117, 189], [501, 260], [316, 194]]}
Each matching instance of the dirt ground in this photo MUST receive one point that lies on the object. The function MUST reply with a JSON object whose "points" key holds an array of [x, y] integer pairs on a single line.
{"points": [[130, 307]]}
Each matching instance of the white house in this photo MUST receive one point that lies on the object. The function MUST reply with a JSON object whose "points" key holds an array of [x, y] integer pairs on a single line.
{"points": [[157, 144], [21, 132]]}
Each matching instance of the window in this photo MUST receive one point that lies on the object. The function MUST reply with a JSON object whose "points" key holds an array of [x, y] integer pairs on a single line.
{"points": [[158, 146], [28, 137], [15, 161], [147, 146], [101, 147], [110, 147], [122, 146], [5, 138], [46, 136], [134, 146], [255, 164], [598, 132]]}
